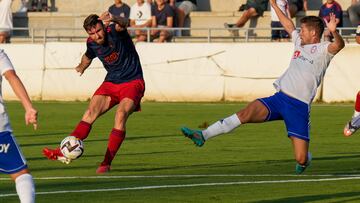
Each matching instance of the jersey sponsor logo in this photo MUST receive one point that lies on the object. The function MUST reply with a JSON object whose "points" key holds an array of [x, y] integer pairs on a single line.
{"points": [[4, 148], [297, 55], [112, 57]]}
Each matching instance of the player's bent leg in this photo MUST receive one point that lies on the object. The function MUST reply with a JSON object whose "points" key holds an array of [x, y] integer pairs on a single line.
{"points": [[254, 112], [118, 133], [302, 155], [99, 104], [24, 186]]}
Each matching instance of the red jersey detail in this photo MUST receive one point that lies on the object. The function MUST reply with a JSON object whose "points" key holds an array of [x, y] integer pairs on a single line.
{"points": [[296, 54], [112, 57]]}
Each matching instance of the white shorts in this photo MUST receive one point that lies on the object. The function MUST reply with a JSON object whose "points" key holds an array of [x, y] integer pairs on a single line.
{"points": [[186, 6]]}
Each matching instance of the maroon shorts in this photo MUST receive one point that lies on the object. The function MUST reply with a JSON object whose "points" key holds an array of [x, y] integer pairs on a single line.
{"points": [[133, 90]]}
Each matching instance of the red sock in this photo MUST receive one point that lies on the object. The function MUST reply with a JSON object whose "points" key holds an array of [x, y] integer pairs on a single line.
{"points": [[82, 130], [357, 102], [115, 140]]}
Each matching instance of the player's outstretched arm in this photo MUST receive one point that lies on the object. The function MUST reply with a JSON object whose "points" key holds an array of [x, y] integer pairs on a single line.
{"points": [[338, 43], [284, 20], [121, 22], [20, 91], [84, 64]]}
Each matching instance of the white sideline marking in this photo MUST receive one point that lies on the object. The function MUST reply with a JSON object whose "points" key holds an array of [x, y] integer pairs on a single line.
{"points": [[187, 176], [187, 185]]}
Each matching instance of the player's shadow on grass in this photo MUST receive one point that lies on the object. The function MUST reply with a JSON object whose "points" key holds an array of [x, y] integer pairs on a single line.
{"points": [[41, 134], [348, 196], [140, 168]]}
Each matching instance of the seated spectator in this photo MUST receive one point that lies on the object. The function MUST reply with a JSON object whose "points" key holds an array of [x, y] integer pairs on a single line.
{"points": [[140, 17], [252, 8], [331, 6], [354, 12], [119, 9], [6, 23], [162, 17], [279, 35], [183, 9], [38, 5], [23, 6], [297, 5]]}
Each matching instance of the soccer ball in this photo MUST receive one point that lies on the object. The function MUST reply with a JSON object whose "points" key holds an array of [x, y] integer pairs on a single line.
{"points": [[71, 147]]}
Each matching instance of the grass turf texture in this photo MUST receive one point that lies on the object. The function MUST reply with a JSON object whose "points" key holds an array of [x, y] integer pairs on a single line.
{"points": [[154, 146]]}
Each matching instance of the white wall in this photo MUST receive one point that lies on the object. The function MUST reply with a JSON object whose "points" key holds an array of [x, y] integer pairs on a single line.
{"points": [[178, 71]]}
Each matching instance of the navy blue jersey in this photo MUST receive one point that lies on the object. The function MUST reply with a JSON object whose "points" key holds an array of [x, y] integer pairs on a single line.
{"points": [[335, 8], [118, 55], [122, 11]]}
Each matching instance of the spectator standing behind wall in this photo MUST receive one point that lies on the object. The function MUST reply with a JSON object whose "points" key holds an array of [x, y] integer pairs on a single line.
{"points": [[162, 17], [354, 12], [297, 5], [252, 8], [38, 5], [119, 9], [183, 10], [140, 17], [331, 6], [6, 21], [279, 35]]}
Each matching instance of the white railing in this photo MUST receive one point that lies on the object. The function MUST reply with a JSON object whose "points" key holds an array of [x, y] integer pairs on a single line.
{"points": [[72, 34]]}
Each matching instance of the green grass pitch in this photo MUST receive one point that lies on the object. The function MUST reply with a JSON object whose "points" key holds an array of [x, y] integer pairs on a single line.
{"points": [[254, 163]]}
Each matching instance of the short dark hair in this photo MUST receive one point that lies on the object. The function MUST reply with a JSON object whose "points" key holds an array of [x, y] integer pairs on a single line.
{"points": [[314, 22], [91, 21]]}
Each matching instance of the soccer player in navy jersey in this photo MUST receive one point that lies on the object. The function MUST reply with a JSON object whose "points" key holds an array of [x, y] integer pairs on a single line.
{"points": [[123, 85], [295, 89]]}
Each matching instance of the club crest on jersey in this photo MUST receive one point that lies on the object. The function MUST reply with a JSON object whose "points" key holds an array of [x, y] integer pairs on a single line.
{"points": [[313, 49], [112, 57], [4, 148], [296, 54]]}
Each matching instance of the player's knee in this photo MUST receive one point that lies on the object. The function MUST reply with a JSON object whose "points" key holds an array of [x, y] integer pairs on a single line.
{"points": [[90, 115], [301, 159], [122, 115]]}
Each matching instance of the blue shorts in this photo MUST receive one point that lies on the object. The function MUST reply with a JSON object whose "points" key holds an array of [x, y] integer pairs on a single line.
{"points": [[295, 113], [11, 158]]}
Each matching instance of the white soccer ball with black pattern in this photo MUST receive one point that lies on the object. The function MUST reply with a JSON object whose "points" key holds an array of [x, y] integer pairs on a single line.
{"points": [[71, 147]]}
